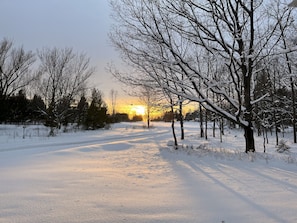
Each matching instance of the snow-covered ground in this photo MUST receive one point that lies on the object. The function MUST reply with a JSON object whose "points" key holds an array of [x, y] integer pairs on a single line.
{"points": [[130, 174]]}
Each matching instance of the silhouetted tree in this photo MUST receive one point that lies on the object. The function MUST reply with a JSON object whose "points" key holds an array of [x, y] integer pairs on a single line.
{"points": [[64, 75], [15, 73], [97, 112], [18, 108], [37, 109], [81, 111]]}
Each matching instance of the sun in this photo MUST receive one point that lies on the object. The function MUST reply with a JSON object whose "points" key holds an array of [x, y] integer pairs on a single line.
{"points": [[138, 110]]}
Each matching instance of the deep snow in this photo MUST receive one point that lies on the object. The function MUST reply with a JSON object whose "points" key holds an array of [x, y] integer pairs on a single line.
{"points": [[130, 174]]}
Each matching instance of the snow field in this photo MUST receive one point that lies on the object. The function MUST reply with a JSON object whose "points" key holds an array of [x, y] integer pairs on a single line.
{"points": [[130, 175]]}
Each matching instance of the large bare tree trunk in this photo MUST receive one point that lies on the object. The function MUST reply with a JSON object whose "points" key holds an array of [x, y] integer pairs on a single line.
{"points": [[249, 139], [248, 117]]}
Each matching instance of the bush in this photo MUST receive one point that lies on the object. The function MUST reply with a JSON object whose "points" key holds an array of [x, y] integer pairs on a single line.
{"points": [[282, 147]]}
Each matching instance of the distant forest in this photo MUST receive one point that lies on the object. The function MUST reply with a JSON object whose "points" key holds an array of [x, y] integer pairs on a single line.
{"points": [[57, 79]]}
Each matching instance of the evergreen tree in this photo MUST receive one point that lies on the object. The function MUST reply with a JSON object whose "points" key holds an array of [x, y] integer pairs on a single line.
{"points": [[96, 114], [64, 111], [81, 111], [4, 110], [37, 109], [18, 108]]}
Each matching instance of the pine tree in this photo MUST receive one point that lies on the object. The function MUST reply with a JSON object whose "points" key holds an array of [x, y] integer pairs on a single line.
{"points": [[81, 111], [96, 114]]}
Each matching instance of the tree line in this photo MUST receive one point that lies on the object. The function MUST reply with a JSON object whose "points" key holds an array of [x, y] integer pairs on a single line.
{"points": [[58, 80], [235, 59], [19, 109]]}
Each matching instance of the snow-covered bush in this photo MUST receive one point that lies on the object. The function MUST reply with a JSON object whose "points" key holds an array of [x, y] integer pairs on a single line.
{"points": [[282, 147]]}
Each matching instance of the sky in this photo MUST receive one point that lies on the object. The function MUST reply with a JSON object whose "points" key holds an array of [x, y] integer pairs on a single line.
{"points": [[81, 25]]}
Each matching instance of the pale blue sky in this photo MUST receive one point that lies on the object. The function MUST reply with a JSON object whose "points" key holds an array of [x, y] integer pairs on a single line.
{"points": [[80, 24]]}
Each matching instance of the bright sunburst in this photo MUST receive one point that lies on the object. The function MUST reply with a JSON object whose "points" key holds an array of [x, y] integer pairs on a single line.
{"points": [[138, 110]]}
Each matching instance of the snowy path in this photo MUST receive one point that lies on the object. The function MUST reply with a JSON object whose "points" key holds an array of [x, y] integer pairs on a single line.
{"points": [[128, 177]]}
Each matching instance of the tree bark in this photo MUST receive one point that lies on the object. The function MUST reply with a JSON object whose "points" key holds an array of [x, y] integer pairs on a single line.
{"points": [[249, 139], [201, 121], [172, 127], [206, 123], [148, 120], [181, 121], [294, 110]]}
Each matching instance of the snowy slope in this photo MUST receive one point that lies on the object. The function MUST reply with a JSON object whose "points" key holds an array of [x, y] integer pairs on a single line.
{"points": [[129, 174]]}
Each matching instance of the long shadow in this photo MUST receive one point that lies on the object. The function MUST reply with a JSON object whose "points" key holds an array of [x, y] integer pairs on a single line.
{"points": [[243, 198], [275, 180], [197, 168], [263, 174]]}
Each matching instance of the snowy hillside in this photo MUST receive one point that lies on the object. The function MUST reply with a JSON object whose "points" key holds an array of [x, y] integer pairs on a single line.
{"points": [[130, 174]]}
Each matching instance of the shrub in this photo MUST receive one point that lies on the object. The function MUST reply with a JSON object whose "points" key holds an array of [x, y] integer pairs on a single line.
{"points": [[282, 147]]}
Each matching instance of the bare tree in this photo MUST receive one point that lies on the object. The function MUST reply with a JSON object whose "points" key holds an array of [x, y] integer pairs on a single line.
{"points": [[150, 97], [64, 76], [287, 34], [237, 33], [113, 96], [15, 64]]}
